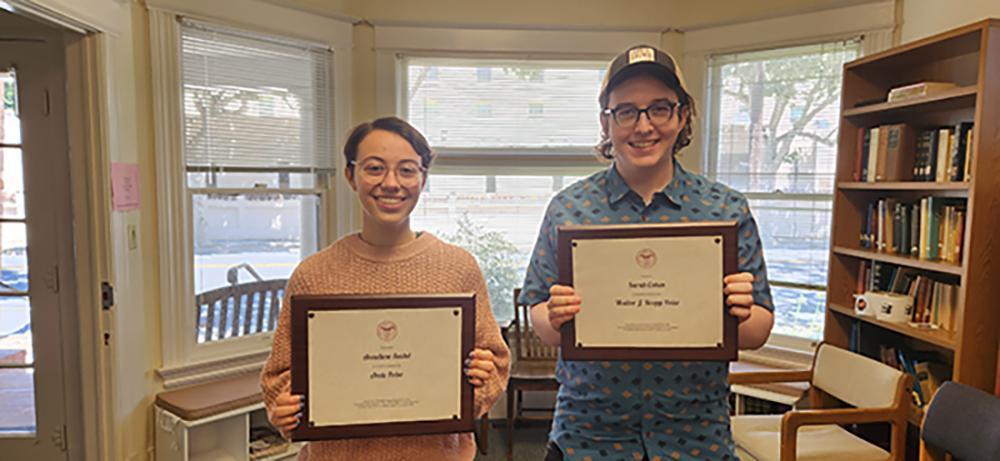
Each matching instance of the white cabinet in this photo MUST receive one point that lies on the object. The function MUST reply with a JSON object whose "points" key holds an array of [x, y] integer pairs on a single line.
{"points": [[221, 437]]}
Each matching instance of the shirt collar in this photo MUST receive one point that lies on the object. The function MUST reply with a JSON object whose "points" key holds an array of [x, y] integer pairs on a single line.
{"points": [[617, 187]]}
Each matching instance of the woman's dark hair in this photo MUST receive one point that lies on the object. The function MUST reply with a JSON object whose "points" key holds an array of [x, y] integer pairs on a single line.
{"points": [[604, 148], [394, 125]]}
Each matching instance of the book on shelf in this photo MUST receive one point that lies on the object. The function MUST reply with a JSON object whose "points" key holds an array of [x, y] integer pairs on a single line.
{"points": [[931, 229], [945, 139], [926, 147], [943, 154], [897, 159], [969, 150], [928, 372], [902, 152], [935, 299], [860, 172], [930, 376], [959, 150], [874, 142], [917, 90], [885, 153]]}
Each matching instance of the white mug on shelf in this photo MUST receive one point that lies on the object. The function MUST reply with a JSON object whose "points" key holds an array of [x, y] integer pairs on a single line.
{"points": [[888, 307], [862, 308]]}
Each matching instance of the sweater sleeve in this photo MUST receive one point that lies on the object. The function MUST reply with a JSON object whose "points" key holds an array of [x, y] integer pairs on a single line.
{"points": [[276, 376], [488, 337]]}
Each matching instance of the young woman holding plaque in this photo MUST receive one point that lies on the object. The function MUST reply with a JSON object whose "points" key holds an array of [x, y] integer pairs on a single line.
{"points": [[387, 162], [642, 409]]}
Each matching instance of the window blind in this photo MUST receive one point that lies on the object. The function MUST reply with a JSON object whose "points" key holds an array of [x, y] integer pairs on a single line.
{"points": [[253, 101], [494, 103], [775, 117]]}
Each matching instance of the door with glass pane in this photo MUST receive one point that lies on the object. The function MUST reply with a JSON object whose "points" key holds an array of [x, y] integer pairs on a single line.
{"points": [[33, 230]]}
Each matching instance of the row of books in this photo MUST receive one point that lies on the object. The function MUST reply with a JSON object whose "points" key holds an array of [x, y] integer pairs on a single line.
{"points": [[931, 229], [901, 152], [928, 374], [934, 301], [943, 154]]}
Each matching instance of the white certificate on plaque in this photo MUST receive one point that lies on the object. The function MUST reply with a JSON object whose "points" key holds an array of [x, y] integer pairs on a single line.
{"points": [[649, 292], [370, 366]]}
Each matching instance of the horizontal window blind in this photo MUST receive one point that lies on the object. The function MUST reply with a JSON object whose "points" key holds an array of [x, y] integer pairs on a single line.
{"points": [[773, 117], [510, 104], [254, 101]]}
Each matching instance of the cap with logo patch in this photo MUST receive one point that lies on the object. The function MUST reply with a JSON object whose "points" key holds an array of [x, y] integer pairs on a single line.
{"points": [[642, 60]]}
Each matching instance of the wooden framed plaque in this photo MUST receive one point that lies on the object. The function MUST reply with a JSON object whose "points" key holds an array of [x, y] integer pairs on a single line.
{"points": [[382, 365], [649, 291]]}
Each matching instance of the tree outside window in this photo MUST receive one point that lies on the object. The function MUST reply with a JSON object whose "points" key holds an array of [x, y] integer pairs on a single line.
{"points": [[773, 136]]}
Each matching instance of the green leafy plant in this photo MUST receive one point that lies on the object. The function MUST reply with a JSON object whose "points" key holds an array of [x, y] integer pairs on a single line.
{"points": [[498, 258]]}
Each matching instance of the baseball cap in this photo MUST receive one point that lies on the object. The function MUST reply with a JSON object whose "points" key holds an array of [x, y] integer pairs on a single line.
{"points": [[639, 60]]}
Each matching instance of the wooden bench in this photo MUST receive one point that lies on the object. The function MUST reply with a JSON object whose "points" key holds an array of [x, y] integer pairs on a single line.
{"points": [[239, 309], [204, 400]]}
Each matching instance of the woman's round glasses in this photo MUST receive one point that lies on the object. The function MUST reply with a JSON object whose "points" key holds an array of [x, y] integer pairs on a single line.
{"points": [[408, 172]]}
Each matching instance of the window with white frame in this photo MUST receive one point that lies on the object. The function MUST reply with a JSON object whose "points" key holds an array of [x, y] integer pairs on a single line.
{"points": [[509, 134], [257, 154], [772, 126]]}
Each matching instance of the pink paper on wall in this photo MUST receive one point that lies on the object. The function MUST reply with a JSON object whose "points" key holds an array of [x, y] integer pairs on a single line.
{"points": [[124, 186]]}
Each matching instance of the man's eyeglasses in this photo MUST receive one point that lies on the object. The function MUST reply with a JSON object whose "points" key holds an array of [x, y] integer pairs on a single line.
{"points": [[408, 172], [627, 115]]}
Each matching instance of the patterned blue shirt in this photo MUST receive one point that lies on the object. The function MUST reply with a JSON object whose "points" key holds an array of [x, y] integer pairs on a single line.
{"points": [[630, 409]]}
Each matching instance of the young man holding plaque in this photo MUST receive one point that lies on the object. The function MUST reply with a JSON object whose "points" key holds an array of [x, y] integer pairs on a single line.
{"points": [[387, 162], [649, 410]]}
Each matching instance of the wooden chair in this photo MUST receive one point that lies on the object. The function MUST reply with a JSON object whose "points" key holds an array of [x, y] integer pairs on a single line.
{"points": [[482, 434], [240, 308], [532, 368], [963, 422], [877, 392]]}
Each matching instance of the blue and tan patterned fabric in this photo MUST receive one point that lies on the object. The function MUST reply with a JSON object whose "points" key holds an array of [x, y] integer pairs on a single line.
{"points": [[626, 409]]}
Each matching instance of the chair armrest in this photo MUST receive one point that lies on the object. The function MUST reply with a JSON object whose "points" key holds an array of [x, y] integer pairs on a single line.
{"points": [[764, 377], [797, 418], [793, 420], [505, 331]]}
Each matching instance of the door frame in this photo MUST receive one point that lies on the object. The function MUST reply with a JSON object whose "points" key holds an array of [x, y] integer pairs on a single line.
{"points": [[89, 381], [87, 102], [36, 53]]}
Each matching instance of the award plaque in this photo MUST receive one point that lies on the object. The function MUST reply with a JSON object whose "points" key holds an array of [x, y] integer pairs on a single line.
{"points": [[382, 365], [649, 292]]}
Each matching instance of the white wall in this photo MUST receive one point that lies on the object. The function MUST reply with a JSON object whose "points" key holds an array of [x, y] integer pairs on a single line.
{"points": [[922, 18]]}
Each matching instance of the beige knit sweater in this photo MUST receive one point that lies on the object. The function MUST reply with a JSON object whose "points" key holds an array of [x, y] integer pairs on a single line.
{"points": [[425, 265]]}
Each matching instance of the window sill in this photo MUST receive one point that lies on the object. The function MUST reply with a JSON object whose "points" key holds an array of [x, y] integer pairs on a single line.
{"points": [[781, 355], [211, 370]]}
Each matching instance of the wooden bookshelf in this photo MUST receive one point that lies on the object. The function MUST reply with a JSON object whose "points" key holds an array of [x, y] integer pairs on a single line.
{"points": [[940, 338], [948, 99], [970, 58], [907, 261], [906, 186]]}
